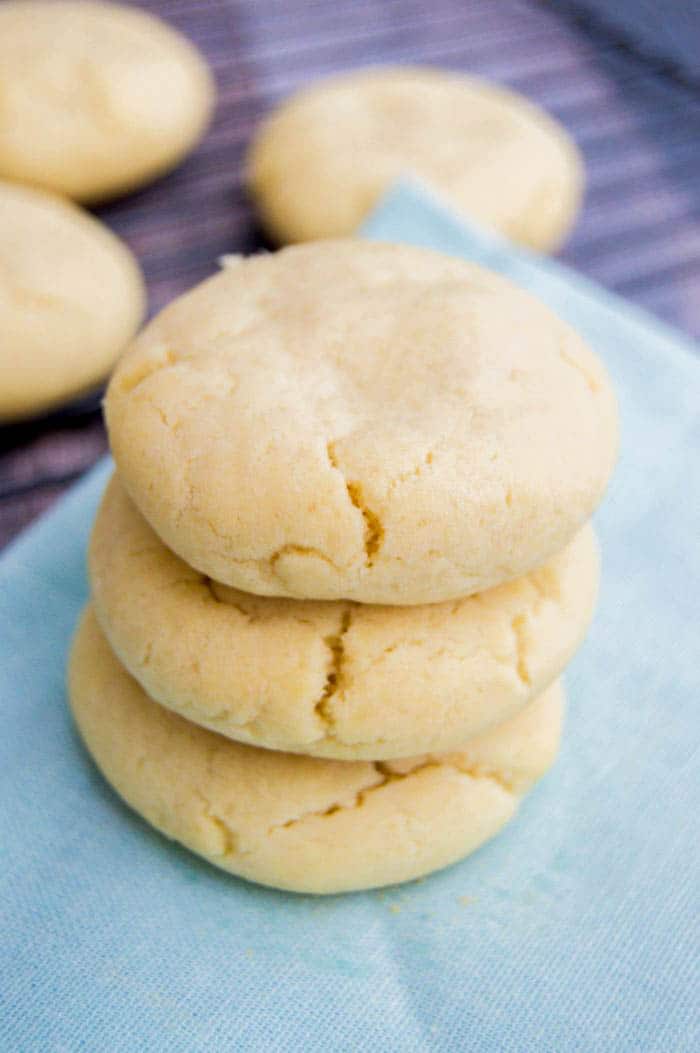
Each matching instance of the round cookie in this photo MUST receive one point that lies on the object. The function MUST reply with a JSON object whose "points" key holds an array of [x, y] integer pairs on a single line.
{"points": [[97, 98], [342, 680], [296, 822], [71, 299], [363, 421], [320, 163]]}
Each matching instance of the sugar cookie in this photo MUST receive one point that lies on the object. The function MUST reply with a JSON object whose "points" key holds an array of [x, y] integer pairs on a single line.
{"points": [[354, 420], [321, 161], [97, 98], [71, 298], [342, 680]]}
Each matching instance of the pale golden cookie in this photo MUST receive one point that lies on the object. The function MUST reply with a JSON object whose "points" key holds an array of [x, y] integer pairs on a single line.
{"points": [[336, 679], [71, 299], [321, 161], [95, 98], [354, 420], [297, 822]]}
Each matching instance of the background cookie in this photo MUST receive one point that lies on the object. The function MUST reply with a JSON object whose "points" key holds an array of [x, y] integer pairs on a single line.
{"points": [[71, 298], [297, 822], [353, 420], [96, 98], [321, 161], [332, 679]]}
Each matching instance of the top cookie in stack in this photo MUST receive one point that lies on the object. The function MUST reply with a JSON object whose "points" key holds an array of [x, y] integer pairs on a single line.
{"points": [[359, 421]]}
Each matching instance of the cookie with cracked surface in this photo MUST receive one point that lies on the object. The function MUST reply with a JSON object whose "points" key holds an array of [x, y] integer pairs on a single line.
{"points": [[297, 822], [322, 160], [361, 421], [332, 679], [71, 299], [97, 98]]}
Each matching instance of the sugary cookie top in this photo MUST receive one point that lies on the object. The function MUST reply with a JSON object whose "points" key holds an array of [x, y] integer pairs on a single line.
{"points": [[96, 97], [362, 421], [320, 162]]}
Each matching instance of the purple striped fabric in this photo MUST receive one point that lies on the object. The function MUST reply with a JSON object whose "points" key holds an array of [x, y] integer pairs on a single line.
{"points": [[639, 131]]}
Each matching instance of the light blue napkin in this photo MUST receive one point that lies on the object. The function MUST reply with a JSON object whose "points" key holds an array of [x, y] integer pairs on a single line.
{"points": [[576, 929]]}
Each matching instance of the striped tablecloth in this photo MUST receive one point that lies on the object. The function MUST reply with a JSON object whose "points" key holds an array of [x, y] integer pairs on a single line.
{"points": [[636, 119]]}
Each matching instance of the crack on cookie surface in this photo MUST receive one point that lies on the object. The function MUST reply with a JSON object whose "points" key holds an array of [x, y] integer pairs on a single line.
{"points": [[225, 600], [518, 626], [336, 646], [293, 550], [145, 368], [386, 775], [227, 837], [414, 473], [373, 529]]}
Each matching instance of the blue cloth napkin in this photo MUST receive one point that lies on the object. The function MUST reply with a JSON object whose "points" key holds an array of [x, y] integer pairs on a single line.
{"points": [[576, 929]]}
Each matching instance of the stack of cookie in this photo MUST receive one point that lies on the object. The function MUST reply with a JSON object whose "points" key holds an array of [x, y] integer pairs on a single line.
{"points": [[343, 563]]}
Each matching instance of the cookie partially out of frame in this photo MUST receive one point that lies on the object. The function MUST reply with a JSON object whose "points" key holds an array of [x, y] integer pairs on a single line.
{"points": [[362, 421], [97, 98], [333, 679], [322, 160], [297, 822], [71, 299]]}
